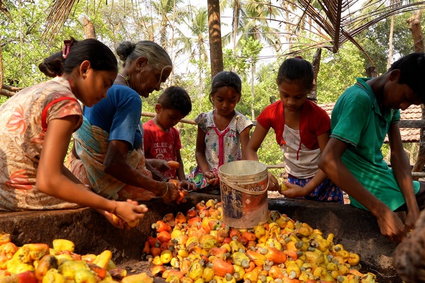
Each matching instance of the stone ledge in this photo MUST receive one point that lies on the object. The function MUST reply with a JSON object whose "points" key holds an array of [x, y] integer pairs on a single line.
{"points": [[356, 229]]}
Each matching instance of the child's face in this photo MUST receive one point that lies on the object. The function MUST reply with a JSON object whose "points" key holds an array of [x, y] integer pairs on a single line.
{"points": [[398, 96], [167, 118], [293, 95], [225, 100]]}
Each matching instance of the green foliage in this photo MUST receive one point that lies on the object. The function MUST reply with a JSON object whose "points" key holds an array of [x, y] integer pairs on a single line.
{"points": [[338, 71], [24, 48], [375, 41]]}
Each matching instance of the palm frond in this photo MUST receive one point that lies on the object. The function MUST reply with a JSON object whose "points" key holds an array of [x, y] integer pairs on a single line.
{"points": [[341, 20]]}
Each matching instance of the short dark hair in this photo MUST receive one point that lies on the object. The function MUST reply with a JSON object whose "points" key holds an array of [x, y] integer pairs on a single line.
{"points": [[296, 69], [412, 70], [176, 98], [226, 78], [100, 56]]}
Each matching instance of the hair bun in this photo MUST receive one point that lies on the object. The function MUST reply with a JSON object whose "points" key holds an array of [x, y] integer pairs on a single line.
{"points": [[124, 49]]}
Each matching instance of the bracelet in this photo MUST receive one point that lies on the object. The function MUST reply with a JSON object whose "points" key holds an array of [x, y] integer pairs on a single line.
{"points": [[166, 190]]}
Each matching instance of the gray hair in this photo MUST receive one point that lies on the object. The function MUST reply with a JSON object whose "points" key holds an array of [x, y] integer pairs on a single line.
{"points": [[156, 55]]}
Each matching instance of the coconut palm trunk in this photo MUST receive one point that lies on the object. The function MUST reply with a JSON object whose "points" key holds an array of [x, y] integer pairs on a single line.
{"points": [[216, 52]]}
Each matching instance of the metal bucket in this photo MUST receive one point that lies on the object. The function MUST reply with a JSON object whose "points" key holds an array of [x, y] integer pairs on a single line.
{"points": [[243, 186]]}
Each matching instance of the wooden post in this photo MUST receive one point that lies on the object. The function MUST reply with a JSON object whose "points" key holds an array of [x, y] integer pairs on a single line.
{"points": [[1, 68], [418, 42]]}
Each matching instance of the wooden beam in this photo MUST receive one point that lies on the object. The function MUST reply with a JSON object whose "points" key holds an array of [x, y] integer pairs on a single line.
{"points": [[418, 174], [411, 124], [186, 121]]}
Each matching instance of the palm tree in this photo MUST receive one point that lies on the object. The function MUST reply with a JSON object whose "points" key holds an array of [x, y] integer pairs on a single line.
{"points": [[195, 43], [214, 31], [338, 21], [167, 10], [252, 20]]}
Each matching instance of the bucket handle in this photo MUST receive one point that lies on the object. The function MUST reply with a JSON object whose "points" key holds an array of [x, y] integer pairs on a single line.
{"points": [[234, 186]]}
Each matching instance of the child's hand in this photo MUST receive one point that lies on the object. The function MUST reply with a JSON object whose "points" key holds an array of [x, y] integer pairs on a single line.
{"points": [[211, 177], [390, 225], [273, 183], [127, 214], [293, 191], [188, 186], [411, 218]]}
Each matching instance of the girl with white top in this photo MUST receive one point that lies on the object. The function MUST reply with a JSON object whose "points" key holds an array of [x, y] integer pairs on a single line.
{"points": [[302, 130]]}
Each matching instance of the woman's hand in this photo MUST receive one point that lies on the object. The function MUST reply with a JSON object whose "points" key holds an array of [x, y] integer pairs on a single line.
{"points": [[273, 183], [294, 191], [171, 193]]}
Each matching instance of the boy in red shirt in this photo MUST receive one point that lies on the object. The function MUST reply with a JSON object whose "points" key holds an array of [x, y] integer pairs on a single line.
{"points": [[160, 139]]}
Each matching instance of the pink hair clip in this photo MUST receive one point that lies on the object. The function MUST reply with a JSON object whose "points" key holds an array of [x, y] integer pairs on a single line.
{"points": [[66, 48], [299, 57]]}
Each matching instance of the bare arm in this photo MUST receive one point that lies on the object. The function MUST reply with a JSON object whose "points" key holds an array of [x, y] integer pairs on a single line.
{"points": [[331, 163], [117, 166], [244, 139], [180, 170], [200, 151], [53, 180], [255, 142], [401, 170]]}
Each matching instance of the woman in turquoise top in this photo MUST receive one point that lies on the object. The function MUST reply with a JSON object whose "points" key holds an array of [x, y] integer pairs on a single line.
{"points": [[353, 160]]}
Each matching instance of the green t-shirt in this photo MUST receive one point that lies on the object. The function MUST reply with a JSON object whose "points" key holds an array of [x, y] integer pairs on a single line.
{"points": [[358, 121]]}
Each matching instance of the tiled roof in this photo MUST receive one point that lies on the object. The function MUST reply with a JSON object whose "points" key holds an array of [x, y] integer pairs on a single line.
{"points": [[414, 112]]}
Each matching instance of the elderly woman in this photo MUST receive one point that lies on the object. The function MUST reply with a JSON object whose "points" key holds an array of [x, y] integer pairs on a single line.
{"points": [[109, 143]]}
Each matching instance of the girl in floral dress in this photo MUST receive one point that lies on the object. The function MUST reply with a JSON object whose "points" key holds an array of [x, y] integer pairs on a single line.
{"points": [[223, 133], [36, 125]]}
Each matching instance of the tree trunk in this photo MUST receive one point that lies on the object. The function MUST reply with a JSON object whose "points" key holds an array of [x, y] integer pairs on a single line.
{"points": [[390, 43], [1, 68], [216, 52], [316, 67], [252, 88], [88, 27], [163, 32], [415, 27], [235, 23]]}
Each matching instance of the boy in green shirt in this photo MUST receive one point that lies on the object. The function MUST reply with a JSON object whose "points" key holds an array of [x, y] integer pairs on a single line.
{"points": [[353, 160]]}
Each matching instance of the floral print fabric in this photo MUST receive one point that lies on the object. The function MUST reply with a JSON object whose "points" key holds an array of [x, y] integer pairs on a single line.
{"points": [[325, 191], [24, 120], [221, 146], [231, 143]]}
